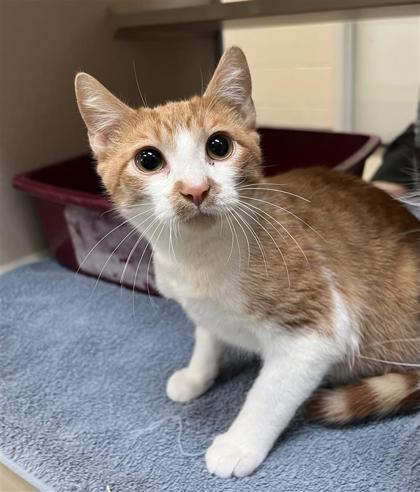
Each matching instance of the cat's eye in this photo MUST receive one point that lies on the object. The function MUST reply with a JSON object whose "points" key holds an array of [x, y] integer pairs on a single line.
{"points": [[149, 160], [219, 146]]}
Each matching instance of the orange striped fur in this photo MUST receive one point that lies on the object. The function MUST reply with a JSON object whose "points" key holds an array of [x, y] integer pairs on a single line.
{"points": [[377, 396]]}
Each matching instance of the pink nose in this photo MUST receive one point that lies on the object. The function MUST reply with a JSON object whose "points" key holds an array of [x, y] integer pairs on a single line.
{"points": [[195, 194]]}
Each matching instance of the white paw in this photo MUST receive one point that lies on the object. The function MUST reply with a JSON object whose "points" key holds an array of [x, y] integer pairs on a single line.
{"points": [[182, 386], [226, 458]]}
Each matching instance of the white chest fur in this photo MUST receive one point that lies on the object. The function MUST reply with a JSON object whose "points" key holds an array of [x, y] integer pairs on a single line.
{"points": [[205, 281]]}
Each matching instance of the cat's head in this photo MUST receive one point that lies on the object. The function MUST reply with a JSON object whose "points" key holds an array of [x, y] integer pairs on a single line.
{"points": [[184, 160]]}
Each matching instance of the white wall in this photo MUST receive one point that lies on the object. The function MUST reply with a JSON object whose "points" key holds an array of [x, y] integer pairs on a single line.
{"points": [[361, 76], [293, 70], [387, 74]]}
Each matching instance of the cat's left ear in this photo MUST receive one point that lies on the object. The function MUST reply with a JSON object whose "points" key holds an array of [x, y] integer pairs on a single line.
{"points": [[231, 83], [102, 112]]}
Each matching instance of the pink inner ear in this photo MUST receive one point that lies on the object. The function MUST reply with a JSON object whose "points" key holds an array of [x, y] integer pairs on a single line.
{"points": [[98, 141]]}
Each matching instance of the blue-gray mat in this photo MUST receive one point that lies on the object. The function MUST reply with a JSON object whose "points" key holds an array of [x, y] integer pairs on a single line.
{"points": [[83, 405]]}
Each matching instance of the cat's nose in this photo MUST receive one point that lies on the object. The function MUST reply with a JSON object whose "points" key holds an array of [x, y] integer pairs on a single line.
{"points": [[195, 194]]}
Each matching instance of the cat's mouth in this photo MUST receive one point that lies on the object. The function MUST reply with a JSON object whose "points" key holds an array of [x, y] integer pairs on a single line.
{"points": [[201, 220], [199, 216]]}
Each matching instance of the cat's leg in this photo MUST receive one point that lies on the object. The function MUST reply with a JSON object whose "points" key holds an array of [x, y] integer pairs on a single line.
{"points": [[192, 381], [293, 367]]}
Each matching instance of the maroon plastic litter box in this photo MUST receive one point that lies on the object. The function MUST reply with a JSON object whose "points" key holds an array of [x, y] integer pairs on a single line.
{"points": [[85, 234]]}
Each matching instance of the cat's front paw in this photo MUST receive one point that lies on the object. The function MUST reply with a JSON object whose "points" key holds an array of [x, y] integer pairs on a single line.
{"points": [[183, 386], [228, 458]]}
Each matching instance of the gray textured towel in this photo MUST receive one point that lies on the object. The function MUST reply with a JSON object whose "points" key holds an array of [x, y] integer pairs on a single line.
{"points": [[83, 405]]}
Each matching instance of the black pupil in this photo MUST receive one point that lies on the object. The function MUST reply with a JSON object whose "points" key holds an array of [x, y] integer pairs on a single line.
{"points": [[218, 145], [149, 159]]}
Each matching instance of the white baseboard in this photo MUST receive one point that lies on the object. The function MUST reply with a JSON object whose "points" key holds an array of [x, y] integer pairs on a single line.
{"points": [[39, 255]]}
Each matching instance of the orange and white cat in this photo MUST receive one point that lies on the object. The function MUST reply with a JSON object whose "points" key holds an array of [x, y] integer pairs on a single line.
{"points": [[319, 276]]}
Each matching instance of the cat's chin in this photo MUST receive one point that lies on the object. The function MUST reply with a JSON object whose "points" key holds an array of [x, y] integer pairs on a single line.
{"points": [[201, 221]]}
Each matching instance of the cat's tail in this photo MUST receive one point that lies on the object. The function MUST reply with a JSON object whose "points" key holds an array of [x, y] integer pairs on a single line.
{"points": [[376, 396]]}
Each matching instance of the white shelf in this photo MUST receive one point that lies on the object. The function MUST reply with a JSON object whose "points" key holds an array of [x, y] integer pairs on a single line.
{"points": [[131, 14]]}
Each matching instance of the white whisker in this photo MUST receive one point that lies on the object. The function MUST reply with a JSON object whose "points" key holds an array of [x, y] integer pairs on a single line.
{"points": [[171, 244], [106, 235], [148, 268], [289, 212], [233, 216], [130, 255], [124, 207], [232, 241], [258, 188], [241, 204], [390, 362], [257, 241], [394, 340], [138, 84], [283, 228], [109, 258], [113, 252], [155, 220], [229, 220]]}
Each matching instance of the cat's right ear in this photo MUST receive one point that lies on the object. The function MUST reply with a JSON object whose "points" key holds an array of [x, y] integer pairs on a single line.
{"points": [[101, 111]]}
